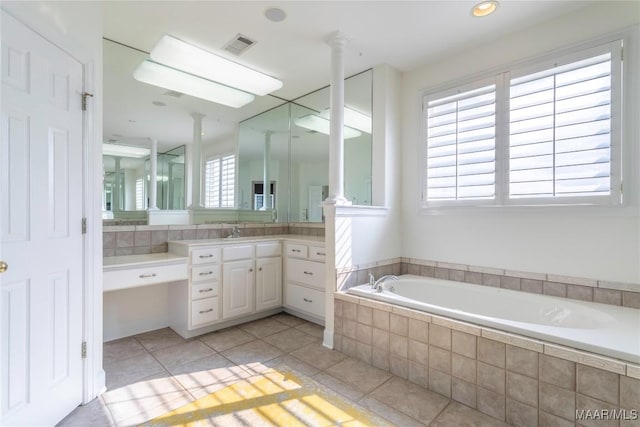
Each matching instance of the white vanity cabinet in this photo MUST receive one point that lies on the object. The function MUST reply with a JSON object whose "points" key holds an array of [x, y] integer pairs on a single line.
{"points": [[268, 276], [238, 280], [228, 283], [305, 280]]}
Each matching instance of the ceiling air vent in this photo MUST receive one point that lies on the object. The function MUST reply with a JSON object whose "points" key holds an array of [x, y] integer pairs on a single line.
{"points": [[239, 44], [173, 93]]}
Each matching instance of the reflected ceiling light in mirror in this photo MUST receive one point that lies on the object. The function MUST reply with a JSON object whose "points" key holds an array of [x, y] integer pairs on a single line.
{"points": [[172, 79], [191, 59], [354, 119], [124, 151], [322, 125]]}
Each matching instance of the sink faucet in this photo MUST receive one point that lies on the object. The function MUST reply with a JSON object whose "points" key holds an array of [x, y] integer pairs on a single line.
{"points": [[235, 232], [378, 285]]}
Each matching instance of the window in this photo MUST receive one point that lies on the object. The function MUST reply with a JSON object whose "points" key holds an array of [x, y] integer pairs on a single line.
{"points": [[461, 145], [557, 142], [560, 131], [219, 185], [140, 205]]}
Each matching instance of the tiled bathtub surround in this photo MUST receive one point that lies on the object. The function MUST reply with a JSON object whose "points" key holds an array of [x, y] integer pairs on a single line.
{"points": [[601, 291], [145, 239], [521, 381]]}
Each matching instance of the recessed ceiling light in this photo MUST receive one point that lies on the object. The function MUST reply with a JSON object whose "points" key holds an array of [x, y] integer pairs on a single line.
{"points": [[275, 14], [485, 8]]}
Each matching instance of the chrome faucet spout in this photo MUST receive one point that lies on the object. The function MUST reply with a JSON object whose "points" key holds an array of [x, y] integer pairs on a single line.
{"points": [[379, 284]]}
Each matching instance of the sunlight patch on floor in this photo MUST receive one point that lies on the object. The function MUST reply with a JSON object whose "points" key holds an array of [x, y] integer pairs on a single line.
{"points": [[276, 397]]}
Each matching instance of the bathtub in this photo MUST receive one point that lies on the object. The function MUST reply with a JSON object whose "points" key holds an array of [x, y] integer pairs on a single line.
{"points": [[598, 328]]}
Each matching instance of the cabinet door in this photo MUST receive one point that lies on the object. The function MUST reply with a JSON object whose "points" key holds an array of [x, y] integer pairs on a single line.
{"points": [[268, 283], [237, 288]]}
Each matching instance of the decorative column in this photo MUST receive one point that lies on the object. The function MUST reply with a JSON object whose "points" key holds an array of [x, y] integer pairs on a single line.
{"points": [[115, 204], [196, 161], [337, 41], [153, 179], [266, 187]]}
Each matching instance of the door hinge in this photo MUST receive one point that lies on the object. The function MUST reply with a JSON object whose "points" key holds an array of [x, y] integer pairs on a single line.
{"points": [[84, 349], [621, 187], [84, 225], [84, 100]]}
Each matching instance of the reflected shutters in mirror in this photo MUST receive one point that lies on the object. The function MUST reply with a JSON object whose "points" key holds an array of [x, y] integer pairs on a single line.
{"points": [[220, 182]]}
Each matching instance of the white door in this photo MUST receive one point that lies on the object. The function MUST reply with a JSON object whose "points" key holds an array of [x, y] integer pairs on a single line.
{"points": [[268, 283], [237, 288], [41, 238]]}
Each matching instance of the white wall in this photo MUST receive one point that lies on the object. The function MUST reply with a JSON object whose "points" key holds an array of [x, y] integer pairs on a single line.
{"points": [[136, 310], [599, 243]]}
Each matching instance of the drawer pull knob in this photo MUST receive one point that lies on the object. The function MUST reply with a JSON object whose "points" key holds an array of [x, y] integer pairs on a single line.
{"points": [[206, 273], [205, 290], [206, 256], [308, 273], [250, 270], [307, 300], [144, 276], [295, 250], [206, 311], [320, 253], [260, 269]]}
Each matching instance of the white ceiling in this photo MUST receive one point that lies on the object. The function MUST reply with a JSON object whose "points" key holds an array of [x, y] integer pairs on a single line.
{"points": [[404, 34]]}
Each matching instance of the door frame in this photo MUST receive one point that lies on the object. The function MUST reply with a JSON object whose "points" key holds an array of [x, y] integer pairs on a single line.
{"points": [[93, 381]]}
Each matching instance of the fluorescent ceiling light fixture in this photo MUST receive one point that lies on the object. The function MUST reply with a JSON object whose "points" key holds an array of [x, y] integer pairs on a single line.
{"points": [[124, 151], [485, 8], [322, 125], [172, 79], [354, 119], [186, 57]]}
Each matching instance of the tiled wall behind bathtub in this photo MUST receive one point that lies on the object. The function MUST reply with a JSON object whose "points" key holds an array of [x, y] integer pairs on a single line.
{"points": [[614, 293], [146, 239]]}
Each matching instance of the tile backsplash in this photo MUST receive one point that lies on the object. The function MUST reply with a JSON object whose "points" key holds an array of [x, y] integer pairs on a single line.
{"points": [[145, 239]]}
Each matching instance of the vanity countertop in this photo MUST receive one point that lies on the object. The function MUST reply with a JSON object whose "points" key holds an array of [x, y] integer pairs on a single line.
{"points": [[116, 262], [252, 239]]}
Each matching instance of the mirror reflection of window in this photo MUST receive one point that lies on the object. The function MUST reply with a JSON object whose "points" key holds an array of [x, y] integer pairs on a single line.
{"points": [[219, 184], [258, 195]]}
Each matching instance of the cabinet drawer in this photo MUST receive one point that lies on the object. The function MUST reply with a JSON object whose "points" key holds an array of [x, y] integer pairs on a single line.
{"points": [[307, 272], [142, 276], [204, 311], [232, 253], [268, 249], [204, 290], [305, 299], [205, 255], [296, 251], [317, 253], [205, 272]]}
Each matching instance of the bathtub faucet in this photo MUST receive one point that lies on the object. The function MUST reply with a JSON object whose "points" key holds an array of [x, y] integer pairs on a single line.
{"points": [[378, 285]]}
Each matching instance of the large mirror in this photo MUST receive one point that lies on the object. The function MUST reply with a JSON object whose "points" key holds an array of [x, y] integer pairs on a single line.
{"points": [[288, 147], [136, 113], [279, 150]]}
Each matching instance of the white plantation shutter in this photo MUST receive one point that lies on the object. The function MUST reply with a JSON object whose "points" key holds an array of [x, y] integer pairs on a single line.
{"points": [[140, 205], [219, 185], [560, 131], [550, 133], [227, 181], [461, 146]]}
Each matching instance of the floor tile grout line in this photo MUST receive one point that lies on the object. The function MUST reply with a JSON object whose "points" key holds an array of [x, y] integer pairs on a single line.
{"points": [[449, 403]]}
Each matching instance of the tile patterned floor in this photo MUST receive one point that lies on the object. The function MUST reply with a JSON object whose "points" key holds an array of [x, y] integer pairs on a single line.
{"points": [[156, 372]]}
